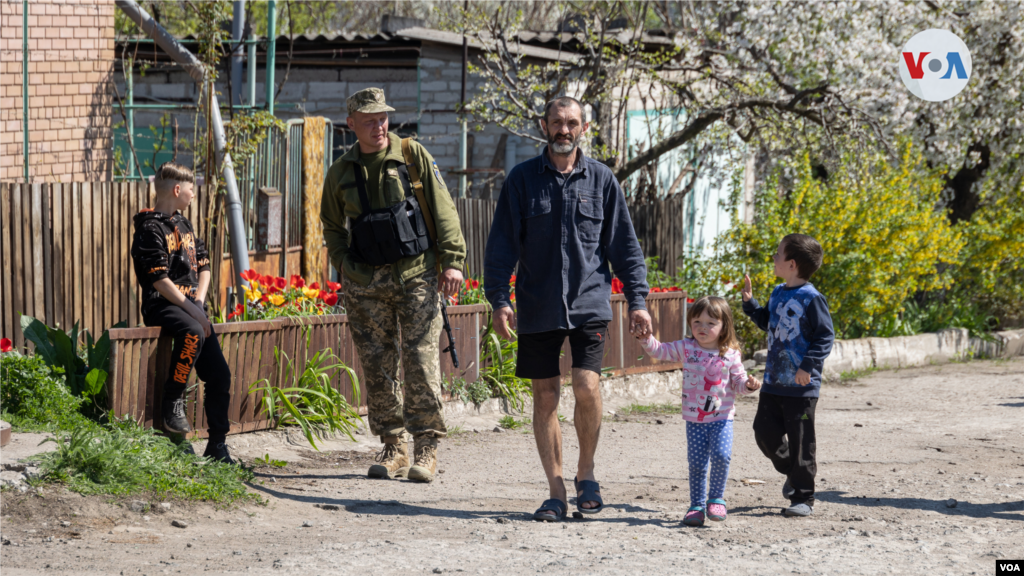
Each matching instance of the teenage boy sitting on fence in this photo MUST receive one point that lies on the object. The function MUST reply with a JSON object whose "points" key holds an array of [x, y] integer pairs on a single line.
{"points": [[173, 267]]}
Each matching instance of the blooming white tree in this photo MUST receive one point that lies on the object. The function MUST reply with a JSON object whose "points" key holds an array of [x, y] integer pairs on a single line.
{"points": [[776, 74]]}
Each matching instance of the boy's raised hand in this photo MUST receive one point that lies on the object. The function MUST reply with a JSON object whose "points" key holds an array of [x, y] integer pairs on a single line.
{"points": [[753, 383], [748, 290]]}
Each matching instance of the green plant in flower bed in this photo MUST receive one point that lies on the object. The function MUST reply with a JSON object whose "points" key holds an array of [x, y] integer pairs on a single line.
{"points": [[471, 292], [310, 401], [34, 396], [124, 458]]}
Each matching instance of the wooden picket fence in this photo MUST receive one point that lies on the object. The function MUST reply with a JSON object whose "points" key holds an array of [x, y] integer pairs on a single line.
{"points": [[65, 253], [141, 357]]}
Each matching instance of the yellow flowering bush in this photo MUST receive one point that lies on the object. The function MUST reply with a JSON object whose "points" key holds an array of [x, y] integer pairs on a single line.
{"points": [[877, 222], [991, 269]]}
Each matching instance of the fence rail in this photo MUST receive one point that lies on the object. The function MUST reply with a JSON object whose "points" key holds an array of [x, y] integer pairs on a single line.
{"points": [[140, 358]]}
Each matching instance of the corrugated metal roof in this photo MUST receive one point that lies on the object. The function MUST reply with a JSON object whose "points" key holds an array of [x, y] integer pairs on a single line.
{"points": [[543, 45]]}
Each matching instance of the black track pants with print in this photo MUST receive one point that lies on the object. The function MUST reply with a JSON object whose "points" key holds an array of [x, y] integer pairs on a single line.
{"points": [[784, 431], [192, 349]]}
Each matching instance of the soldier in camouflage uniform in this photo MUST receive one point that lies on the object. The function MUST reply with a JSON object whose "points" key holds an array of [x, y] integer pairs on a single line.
{"points": [[400, 298]]}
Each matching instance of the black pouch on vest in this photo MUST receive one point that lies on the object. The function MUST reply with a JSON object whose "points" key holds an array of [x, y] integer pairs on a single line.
{"points": [[387, 235]]}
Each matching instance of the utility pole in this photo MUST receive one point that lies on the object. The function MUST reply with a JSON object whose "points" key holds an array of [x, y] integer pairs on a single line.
{"points": [[271, 53], [237, 33], [462, 120], [24, 84]]}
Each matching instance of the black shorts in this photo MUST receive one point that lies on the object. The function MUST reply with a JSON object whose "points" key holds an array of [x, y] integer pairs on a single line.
{"points": [[539, 352]]}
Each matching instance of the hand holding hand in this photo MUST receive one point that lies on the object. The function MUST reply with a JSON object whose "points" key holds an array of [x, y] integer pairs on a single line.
{"points": [[504, 322], [450, 281], [753, 383], [802, 378], [748, 290], [640, 323]]}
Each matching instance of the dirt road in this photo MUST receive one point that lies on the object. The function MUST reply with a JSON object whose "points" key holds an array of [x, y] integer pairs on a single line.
{"points": [[893, 448]]}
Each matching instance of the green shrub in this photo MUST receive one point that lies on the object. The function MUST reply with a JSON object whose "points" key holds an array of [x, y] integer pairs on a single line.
{"points": [[34, 396], [123, 458], [883, 238]]}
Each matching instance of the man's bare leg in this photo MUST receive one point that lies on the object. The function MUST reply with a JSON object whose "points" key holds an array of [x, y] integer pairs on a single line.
{"points": [[589, 407], [548, 434]]}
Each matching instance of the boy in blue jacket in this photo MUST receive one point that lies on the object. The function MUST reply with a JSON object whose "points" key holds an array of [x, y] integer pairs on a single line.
{"points": [[800, 337]]}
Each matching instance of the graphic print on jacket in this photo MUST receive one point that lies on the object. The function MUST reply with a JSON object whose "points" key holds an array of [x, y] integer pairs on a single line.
{"points": [[800, 337], [711, 382], [167, 247]]}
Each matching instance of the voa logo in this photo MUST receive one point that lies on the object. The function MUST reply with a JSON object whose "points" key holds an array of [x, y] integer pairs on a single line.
{"points": [[935, 65]]}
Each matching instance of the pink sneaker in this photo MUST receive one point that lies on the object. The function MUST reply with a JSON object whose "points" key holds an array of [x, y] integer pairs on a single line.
{"points": [[716, 510], [694, 517]]}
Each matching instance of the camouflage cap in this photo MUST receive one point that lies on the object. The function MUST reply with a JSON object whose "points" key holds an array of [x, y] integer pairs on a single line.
{"points": [[368, 100]]}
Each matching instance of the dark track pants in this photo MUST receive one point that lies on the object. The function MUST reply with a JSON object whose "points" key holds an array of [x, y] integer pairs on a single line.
{"points": [[192, 349], [784, 431]]}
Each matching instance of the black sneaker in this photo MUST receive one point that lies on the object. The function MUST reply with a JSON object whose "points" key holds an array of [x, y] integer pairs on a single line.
{"points": [[218, 452], [174, 416]]}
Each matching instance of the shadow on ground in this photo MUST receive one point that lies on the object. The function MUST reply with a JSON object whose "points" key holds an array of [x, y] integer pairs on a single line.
{"points": [[998, 511]]}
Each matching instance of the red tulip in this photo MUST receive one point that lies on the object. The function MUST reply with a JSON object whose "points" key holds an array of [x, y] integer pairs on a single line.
{"points": [[315, 286], [469, 284], [5, 345], [689, 300], [297, 281], [616, 286], [265, 298], [476, 284], [513, 280], [280, 283], [675, 289], [333, 286], [250, 275], [331, 299]]}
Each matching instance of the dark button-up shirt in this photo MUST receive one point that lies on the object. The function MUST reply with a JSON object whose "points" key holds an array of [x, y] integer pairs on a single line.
{"points": [[563, 231]]}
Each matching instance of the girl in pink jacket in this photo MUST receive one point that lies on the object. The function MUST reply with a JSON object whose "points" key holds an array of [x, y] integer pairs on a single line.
{"points": [[713, 376]]}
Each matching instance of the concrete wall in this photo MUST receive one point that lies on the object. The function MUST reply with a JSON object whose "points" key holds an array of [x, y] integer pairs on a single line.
{"points": [[71, 62], [919, 350]]}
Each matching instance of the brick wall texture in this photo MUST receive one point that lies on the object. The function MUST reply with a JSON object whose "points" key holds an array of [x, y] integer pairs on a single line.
{"points": [[70, 78]]}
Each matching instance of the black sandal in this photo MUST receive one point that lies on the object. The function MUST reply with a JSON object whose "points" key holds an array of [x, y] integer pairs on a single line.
{"points": [[587, 491], [547, 511]]}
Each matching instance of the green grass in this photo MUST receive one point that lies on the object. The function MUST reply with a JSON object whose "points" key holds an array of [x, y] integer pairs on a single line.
{"points": [[647, 409], [510, 423], [266, 460], [852, 375], [122, 458]]}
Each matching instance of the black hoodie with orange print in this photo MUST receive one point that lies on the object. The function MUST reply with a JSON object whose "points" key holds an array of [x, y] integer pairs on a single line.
{"points": [[166, 246]]}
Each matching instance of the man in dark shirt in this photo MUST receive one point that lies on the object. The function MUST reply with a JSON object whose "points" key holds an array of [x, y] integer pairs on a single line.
{"points": [[562, 219]]}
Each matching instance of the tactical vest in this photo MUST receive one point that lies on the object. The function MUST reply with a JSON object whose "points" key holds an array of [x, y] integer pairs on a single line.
{"points": [[386, 235]]}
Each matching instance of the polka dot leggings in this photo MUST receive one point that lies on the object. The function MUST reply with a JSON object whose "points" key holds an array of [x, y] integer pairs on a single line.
{"points": [[708, 442]]}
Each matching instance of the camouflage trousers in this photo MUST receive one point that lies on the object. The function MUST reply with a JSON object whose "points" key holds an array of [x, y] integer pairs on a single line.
{"points": [[375, 313]]}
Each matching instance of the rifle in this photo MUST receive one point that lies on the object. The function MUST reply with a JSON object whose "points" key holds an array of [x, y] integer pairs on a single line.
{"points": [[448, 330]]}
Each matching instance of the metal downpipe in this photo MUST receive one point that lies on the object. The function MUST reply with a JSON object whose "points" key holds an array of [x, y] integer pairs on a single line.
{"points": [[236, 225]]}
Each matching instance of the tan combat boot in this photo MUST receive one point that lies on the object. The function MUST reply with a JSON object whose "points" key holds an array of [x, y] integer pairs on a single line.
{"points": [[393, 458], [425, 464]]}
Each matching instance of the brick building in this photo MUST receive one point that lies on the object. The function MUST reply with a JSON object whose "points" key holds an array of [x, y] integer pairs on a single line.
{"points": [[70, 73]]}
